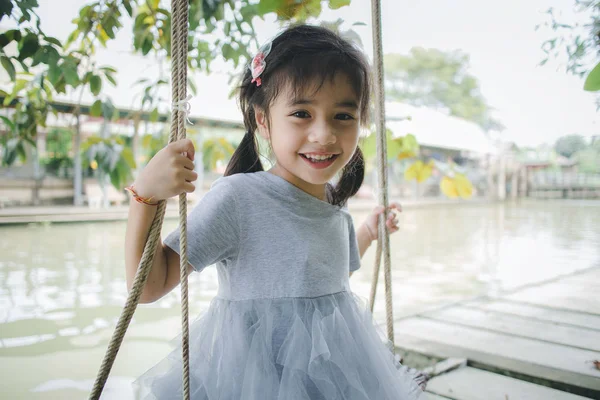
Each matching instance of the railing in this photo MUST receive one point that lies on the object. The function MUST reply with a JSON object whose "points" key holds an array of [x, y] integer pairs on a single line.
{"points": [[561, 180]]}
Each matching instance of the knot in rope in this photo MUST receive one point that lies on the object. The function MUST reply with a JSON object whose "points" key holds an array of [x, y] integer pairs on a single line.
{"points": [[185, 107]]}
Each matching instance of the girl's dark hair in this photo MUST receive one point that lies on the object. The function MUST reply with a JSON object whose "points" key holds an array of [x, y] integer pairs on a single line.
{"points": [[300, 56]]}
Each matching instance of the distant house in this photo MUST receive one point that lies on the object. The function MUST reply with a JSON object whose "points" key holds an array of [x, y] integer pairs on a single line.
{"points": [[440, 136], [544, 157]]}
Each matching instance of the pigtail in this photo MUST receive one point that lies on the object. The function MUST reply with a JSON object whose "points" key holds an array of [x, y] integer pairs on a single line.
{"points": [[351, 180], [245, 158]]}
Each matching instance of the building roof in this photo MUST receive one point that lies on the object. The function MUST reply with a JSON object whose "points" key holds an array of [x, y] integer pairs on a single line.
{"points": [[436, 129]]}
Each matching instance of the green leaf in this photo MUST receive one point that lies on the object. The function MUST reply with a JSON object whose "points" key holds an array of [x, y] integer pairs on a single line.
{"points": [[72, 37], [54, 74], [21, 151], [5, 9], [52, 40], [96, 109], [19, 85], [154, 115], [369, 146], [147, 45], [9, 36], [128, 157], [95, 84], [335, 4], [9, 67], [28, 46], [69, 71], [109, 69], [228, 51], [262, 8], [127, 5], [111, 79], [192, 86], [108, 109], [592, 82], [8, 122]]}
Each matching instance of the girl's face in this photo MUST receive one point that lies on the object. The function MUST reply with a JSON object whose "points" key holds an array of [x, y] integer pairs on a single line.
{"points": [[314, 135]]}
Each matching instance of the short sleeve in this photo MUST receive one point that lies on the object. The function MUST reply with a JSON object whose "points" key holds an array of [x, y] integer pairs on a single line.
{"points": [[213, 228], [354, 252]]}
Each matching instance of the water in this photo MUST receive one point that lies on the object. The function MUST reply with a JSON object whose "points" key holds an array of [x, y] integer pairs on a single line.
{"points": [[62, 286]]}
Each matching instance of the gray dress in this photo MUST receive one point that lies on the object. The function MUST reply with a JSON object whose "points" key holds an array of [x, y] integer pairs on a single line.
{"points": [[284, 324]]}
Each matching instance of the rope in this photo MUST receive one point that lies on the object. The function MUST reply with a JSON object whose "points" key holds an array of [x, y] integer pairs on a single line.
{"points": [[179, 41], [384, 239], [375, 279], [179, 82]]}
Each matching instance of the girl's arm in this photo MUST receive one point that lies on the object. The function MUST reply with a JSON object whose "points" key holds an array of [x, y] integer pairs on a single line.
{"points": [[368, 232], [364, 238], [169, 173]]}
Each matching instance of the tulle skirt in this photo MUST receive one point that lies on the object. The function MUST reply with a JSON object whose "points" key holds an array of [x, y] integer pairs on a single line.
{"points": [[324, 348]]}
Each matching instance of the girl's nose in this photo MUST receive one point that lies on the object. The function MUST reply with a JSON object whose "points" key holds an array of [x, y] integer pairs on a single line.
{"points": [[323, 134]]}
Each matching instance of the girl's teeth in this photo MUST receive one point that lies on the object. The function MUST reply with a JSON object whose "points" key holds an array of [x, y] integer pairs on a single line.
{"points": [[319, 158]]}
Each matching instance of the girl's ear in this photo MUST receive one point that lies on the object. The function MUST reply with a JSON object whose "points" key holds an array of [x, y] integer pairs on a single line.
{"points": [[261, 123]]}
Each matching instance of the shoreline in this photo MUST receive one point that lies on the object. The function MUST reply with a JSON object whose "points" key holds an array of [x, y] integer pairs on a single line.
{"points": [[72, 214]]}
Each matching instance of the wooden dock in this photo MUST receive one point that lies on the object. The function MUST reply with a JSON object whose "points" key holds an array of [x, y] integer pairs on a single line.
{"points": [[534, 343]]}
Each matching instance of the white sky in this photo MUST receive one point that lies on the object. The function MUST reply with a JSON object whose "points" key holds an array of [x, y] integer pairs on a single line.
{"points": [[536, 104]]}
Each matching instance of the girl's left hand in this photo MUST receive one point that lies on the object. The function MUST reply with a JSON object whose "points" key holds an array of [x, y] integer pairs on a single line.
{"points": [[391, 221]]}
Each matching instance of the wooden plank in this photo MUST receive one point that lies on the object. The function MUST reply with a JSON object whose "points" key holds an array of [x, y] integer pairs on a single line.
{"points": [[540, 313], [527, 356], [520, 326], [445, 366], [560, 296], [571, 382], [475, 384]]}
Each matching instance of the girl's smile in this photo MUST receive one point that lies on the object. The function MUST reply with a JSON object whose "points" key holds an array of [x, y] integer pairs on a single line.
{"points": [[319, 160]]}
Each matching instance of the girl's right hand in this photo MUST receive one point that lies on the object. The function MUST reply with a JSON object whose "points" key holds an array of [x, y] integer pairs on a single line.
{"points": [[169, 173]]}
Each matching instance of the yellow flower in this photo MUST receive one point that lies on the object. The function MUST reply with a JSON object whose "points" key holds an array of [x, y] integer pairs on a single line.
{"points": [[94, 165], [419, 171], [408, 147], [459, 186]]}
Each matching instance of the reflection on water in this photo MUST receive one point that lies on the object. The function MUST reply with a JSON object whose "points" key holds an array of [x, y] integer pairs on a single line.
{"points": [[62, 286]]}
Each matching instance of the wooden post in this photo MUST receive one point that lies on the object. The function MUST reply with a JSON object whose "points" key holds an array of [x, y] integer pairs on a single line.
{"points": [[77, 167], [135, 142], [502, 176], [523, 181], [37, 175], [490, 178], [514, 184]]}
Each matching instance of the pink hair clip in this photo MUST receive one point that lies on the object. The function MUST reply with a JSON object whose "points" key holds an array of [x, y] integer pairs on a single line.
{"points": [[258, 64]]}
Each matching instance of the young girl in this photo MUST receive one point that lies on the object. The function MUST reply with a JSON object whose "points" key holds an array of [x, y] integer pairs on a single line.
{"points": [[284, 324]]}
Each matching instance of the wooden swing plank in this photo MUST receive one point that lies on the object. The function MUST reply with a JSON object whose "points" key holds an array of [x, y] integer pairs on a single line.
{"points": [[541, 313], [520, 326], [530, 357], [475, 384]]}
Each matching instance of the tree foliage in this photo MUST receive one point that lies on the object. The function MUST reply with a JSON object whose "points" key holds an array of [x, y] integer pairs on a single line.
{"points": [[568, 145], [438, 79], [579, 42]]}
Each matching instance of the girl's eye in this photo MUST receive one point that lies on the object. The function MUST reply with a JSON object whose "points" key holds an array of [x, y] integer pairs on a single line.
{"points": [[344, 117], [301, 114]]}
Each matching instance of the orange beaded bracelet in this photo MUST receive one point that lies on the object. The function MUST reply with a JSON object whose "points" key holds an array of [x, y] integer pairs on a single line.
{"points": [[140, 199]]}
